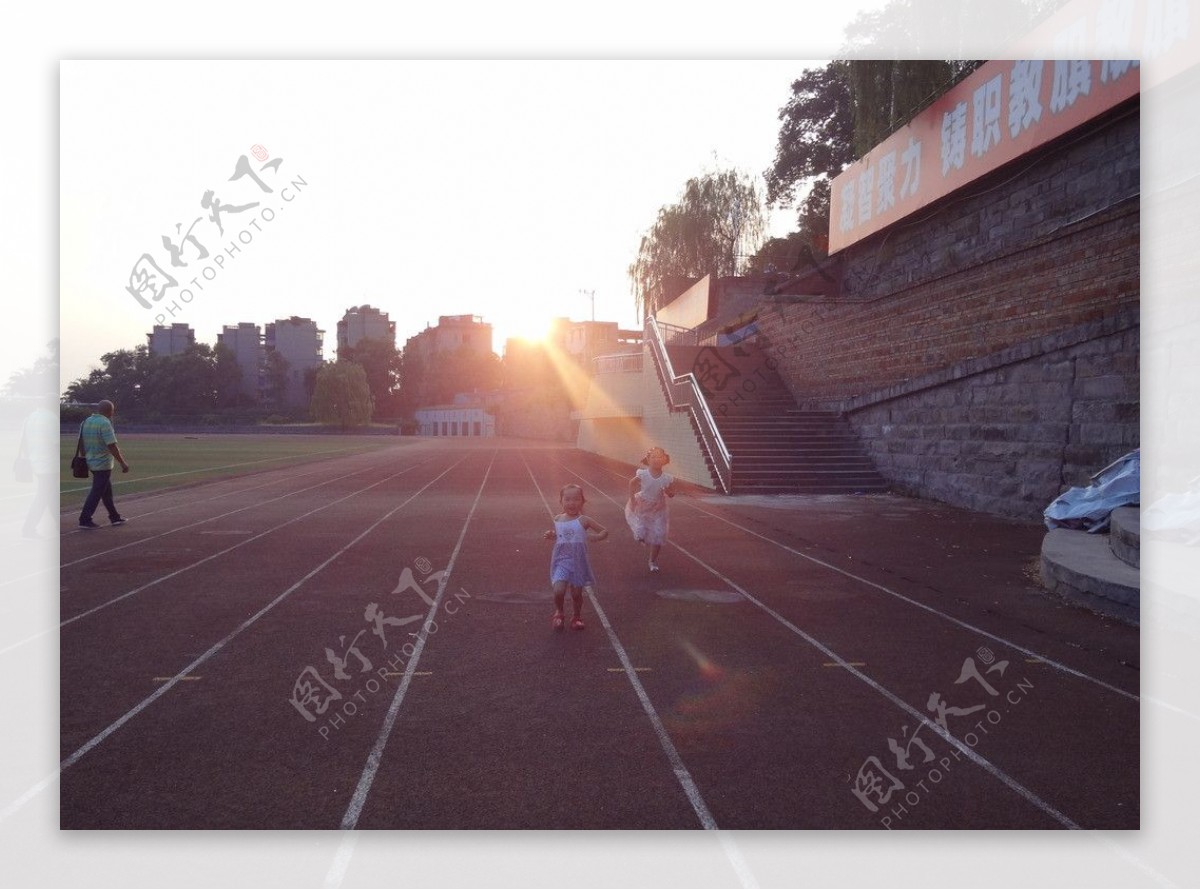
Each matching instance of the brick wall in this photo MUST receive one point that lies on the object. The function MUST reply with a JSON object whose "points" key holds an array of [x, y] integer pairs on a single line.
{"points": [[1036, 251], [988, 350]]}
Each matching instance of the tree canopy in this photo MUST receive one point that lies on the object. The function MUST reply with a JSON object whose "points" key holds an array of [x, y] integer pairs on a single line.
{"points": [[342, 396], [715, 226], [815, 144], [381, 363], [437, 379], [201, 380], [835, 115]]}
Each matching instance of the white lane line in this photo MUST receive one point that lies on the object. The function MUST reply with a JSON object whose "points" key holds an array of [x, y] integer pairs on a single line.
{"points": [[682, 774], [213, 650], [191, 502], [975, 758], [1122, 852], [253, 506], [77, 531], [945, 734], [200, 562], [664, 738], [963, 624], [236, 546], [371, 768], [248, 463]]}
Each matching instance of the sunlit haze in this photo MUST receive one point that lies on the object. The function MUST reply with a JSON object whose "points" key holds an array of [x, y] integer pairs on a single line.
{"points": [[510, 190]]}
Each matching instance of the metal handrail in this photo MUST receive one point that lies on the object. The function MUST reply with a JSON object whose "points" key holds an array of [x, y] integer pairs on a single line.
{"points": [[683, 392], [673, 333], [617, 362]]}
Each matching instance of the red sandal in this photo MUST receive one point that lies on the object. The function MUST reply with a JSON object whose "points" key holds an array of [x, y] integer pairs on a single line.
{"points": [[557, 621], [577, 623]]}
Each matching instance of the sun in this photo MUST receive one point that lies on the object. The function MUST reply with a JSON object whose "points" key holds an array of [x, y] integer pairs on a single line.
{"points": [[521, 325]]}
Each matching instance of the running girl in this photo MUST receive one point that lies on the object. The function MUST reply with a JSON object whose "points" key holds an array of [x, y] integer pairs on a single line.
{"points": [[569, 566], [646, 512]]}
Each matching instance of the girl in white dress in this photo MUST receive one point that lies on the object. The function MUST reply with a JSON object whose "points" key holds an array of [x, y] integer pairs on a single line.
{"points": [[646, 512]]}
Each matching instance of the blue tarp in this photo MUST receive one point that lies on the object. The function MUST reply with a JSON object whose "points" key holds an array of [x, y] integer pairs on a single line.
{"points": [[1088, 508]]}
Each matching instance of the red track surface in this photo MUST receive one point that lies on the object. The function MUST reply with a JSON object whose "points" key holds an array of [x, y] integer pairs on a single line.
{"points": [[667, 712]]}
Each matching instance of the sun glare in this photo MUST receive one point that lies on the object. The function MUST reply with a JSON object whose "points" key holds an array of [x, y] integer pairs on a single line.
{"points": [[522, 326]]}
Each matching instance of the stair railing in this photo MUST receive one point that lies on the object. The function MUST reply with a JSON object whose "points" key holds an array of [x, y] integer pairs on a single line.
{"points": [[683, 392], [675, 335]]}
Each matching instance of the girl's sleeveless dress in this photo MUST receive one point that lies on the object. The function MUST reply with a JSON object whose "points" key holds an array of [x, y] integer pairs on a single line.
{"points": [[647, 513], [569, 559]]}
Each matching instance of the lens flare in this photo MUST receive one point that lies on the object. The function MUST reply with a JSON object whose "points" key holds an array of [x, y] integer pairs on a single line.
{"points": [[709, 670]]}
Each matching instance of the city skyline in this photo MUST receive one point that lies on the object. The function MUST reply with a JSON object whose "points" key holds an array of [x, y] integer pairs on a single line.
{"points": [[304, 198]]}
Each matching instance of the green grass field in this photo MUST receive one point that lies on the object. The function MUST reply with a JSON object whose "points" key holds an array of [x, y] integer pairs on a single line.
{"points": [[163, 460]]}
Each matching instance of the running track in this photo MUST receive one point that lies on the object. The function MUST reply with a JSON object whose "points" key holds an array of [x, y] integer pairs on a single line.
{"points": [[746, 686]]}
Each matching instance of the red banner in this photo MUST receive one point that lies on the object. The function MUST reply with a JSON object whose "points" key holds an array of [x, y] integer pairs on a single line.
{"points": [[1000, 112]]}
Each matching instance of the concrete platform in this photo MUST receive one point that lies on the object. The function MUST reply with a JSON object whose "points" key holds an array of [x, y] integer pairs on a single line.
{"points": [[1125, 535], [1083, 569]]}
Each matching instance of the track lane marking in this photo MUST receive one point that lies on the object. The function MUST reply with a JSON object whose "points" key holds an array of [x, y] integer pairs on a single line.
{"points": [[345, 851], [970, 627], [253, 506], [236, 546], [76, 531], [682, 774], [248, 463], [137, 516], [100, 737], [1113, 845], [205, 559], [934, 727]]}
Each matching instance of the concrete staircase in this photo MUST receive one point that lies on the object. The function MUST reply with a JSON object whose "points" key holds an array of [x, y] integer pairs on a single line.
{"points": [[1097, 571], [776, 447]]}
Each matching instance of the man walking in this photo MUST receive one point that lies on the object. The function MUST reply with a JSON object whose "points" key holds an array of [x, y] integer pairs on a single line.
{"points": [[100, 448]]}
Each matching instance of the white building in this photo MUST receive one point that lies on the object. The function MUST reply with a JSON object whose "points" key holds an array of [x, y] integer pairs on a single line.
{"points": [[455, 420]]}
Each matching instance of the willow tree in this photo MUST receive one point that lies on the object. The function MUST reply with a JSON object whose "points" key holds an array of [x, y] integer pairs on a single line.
{"points": [[342, 396], [717, 224]]}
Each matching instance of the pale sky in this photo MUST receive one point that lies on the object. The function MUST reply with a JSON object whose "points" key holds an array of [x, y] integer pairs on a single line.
{"points": [[500, 188]]}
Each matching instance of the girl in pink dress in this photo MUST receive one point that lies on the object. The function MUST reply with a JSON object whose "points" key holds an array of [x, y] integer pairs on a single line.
{"points": [[646, 512]]}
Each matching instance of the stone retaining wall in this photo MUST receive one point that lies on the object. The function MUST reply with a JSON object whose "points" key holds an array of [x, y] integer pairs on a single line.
{"points": [[1010, 434]]}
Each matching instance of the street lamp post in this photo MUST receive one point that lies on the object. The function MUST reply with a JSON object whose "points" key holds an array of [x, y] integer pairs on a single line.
{"points": [[592, 295]]}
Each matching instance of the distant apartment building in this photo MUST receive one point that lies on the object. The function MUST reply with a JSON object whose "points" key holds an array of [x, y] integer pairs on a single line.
{"points": [[299, 342], [583, 341], [363, 323], [173, 340], [451, 333], [245, 341]]}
